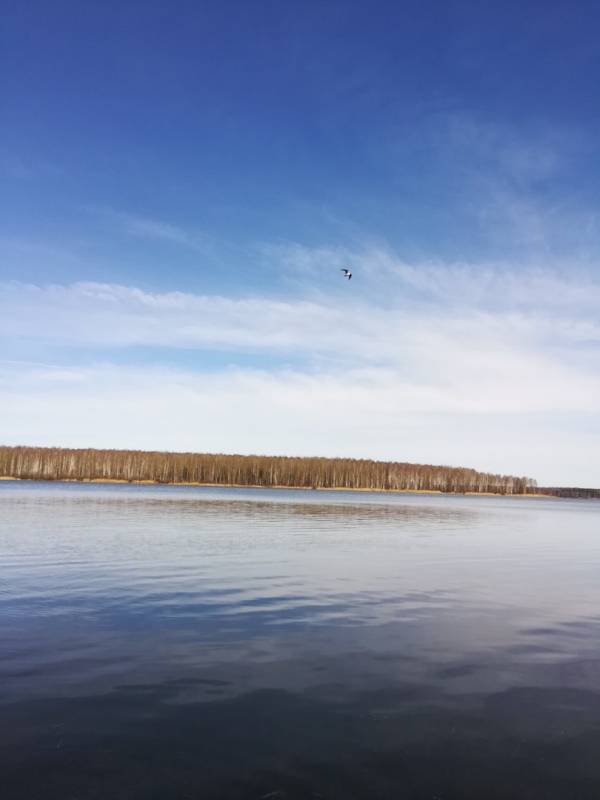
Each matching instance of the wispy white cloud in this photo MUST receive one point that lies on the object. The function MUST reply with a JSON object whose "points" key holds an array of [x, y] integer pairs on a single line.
{"points": [[387, 280], [427, 305], [154, 229], [357, 413], [517, 188], [456, 363], [523, 156], [142, 227]]}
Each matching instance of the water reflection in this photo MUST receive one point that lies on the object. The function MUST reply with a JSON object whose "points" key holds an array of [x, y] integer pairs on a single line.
{"points": [[407, 742], [200, 643]]}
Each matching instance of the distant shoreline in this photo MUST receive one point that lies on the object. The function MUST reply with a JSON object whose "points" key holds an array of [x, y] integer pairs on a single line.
{"points": [[312, 473], [122, 481], [261, 471]]}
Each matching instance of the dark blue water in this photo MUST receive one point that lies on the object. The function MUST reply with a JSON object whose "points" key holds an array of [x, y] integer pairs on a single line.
{"points": [[199, 643]]}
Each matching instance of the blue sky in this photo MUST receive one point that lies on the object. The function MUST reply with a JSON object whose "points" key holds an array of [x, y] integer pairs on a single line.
{"points": [[180, 184]]}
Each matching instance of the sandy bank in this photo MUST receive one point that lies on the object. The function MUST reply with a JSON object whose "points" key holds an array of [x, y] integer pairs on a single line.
{"points": [[118, 481]]}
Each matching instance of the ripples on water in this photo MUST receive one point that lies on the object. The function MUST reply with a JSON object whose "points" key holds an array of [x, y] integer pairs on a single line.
{"points": [[192, 643]]}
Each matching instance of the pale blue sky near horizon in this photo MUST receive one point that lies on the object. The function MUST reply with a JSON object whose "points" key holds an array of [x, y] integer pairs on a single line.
{"points": [[180, 184]]}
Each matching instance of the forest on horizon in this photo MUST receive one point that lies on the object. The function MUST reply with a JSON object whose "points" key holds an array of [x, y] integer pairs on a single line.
{"points": [[53, 463]]}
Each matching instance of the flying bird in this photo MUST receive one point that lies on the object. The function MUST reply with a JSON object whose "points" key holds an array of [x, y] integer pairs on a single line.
{"points": [[347, 273]]}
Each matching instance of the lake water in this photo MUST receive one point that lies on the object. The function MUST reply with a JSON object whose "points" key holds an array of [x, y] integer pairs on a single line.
{"points": [[227, 643]]}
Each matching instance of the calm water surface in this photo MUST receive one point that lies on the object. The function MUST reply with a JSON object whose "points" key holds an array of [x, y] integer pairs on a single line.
{"points": [[199, 643]]}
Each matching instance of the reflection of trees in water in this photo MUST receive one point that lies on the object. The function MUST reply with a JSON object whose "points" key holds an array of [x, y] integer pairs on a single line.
{"points": [[142, 501]]}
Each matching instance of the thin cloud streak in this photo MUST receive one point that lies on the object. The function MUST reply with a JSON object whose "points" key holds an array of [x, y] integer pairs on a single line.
{"points": [[142, 227]]}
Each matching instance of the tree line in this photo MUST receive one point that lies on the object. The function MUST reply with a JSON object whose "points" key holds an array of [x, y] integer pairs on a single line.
{"points": [[570, 491], [53, 463]]}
